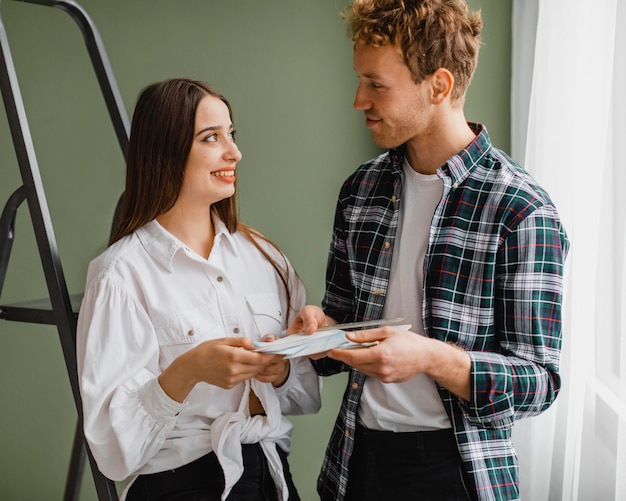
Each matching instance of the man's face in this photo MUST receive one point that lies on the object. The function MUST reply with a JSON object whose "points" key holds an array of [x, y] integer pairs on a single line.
{"points": [[396, 108]]}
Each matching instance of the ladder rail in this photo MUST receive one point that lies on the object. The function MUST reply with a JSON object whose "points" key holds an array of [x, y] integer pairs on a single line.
{"points": [[100, 63], [7, 232], [33, 192], [36, 200]]}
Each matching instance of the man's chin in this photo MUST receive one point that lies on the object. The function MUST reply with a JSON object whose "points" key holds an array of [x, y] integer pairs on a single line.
{"points": [[385, 143]]}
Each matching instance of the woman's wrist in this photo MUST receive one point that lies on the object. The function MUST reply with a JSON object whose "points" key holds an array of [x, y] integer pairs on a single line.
{"points": [[284, 375]]}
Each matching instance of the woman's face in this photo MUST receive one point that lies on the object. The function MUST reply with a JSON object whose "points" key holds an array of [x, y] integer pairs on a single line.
{"points": [[210, 169]]}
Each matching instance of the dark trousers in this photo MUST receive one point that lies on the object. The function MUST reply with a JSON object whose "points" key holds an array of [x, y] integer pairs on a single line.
{"points": [[420, 466], [203, 480]]}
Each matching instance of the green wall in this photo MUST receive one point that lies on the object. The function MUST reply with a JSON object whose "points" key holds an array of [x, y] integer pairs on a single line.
{"points": [[286, 66]]}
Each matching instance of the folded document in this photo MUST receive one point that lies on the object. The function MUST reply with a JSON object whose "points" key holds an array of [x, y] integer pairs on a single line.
{"points": [[328, 338]]}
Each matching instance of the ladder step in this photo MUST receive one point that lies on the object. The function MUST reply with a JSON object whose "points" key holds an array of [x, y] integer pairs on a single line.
{"points": [[38, 311]]}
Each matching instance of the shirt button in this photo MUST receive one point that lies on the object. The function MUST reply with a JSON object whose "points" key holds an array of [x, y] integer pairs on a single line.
{"points": [[355, 386], [348, 433], [393, 199], [190, 332], [387, 245], [377, 292], [236, 330], [455, 186], [220, 279]]}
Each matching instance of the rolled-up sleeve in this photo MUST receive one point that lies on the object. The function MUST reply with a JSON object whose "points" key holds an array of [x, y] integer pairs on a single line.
{"points": [[522, 379]]}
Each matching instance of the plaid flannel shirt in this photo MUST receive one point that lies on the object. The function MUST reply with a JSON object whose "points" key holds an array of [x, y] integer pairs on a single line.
{"points": [[493, 277]]}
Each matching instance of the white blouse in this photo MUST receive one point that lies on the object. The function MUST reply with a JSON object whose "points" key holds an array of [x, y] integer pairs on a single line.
{"points": [[148, 299]]}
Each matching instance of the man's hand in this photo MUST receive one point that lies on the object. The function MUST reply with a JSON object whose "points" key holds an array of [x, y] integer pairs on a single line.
{"points": [[308, 320], [397, 357], [401, 354]]}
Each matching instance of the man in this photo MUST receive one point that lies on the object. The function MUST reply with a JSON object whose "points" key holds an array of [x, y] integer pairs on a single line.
{"points": [[448, 231]]}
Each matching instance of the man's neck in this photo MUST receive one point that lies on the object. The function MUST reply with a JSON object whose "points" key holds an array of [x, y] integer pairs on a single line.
{"points": [[427, 153]]}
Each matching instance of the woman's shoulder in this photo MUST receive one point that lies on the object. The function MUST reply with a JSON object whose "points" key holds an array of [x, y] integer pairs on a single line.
{"points": [[115, 258]]}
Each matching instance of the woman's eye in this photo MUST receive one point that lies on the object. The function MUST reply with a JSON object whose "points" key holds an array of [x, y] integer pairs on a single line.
{"points": [[231, 134], [212, 138]]}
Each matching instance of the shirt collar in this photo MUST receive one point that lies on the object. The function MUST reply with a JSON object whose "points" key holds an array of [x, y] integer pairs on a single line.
{"points": [[163, 246], [223, 235], [463, 163], [396, 155], [460, 165]]}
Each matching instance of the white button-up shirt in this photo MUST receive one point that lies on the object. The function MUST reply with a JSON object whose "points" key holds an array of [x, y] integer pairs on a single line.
{"points": [[148, 299]]}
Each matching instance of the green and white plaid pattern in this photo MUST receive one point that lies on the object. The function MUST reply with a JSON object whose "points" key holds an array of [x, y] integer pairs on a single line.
{"points": [[493, 285]]}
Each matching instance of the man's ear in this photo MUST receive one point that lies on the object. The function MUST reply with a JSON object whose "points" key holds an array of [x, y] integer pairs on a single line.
{"points": [[442, 82]]}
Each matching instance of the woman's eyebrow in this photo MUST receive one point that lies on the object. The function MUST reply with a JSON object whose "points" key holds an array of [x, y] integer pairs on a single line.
{"points": [[211, 128]]}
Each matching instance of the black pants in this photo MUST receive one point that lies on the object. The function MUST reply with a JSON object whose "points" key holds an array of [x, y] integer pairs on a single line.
{"points": [[421, 466], [203, 480]]}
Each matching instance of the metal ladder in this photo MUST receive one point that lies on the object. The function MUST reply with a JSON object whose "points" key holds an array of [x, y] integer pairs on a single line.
{"points": [[60, 308]]}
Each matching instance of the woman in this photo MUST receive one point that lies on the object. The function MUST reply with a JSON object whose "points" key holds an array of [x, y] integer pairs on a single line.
{"points": [[174, 397]]}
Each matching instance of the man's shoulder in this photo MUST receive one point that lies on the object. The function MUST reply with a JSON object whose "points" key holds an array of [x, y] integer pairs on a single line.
{"points": [[497, 176]]}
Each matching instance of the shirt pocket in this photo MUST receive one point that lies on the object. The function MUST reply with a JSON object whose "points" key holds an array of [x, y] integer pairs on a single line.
{"points": [[188, 326], [267, 313]]}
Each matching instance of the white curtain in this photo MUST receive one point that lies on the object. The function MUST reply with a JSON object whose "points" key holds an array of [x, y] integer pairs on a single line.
{"points": [[569, 128]]}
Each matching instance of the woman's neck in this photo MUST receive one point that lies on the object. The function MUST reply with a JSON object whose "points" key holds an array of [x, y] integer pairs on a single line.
{"points": [[196, 231]]}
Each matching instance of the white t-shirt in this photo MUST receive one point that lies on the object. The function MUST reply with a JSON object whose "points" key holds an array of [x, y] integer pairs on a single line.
{"points": [[148, 299], [413, 405]]}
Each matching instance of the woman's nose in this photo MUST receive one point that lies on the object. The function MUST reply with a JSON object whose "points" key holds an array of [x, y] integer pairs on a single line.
{"points": [[233, 152]]}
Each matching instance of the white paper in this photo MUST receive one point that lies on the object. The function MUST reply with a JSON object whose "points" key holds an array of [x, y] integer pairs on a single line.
{"points": [[302, 345]]}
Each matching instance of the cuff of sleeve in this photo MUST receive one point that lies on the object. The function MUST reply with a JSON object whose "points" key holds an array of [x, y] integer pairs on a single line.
{"points": [[284, 388], [491, 388], [158, 404]]}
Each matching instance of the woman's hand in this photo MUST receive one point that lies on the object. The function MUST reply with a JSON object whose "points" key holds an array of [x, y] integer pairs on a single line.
{"points": [[220, 362], [277, 370]]}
